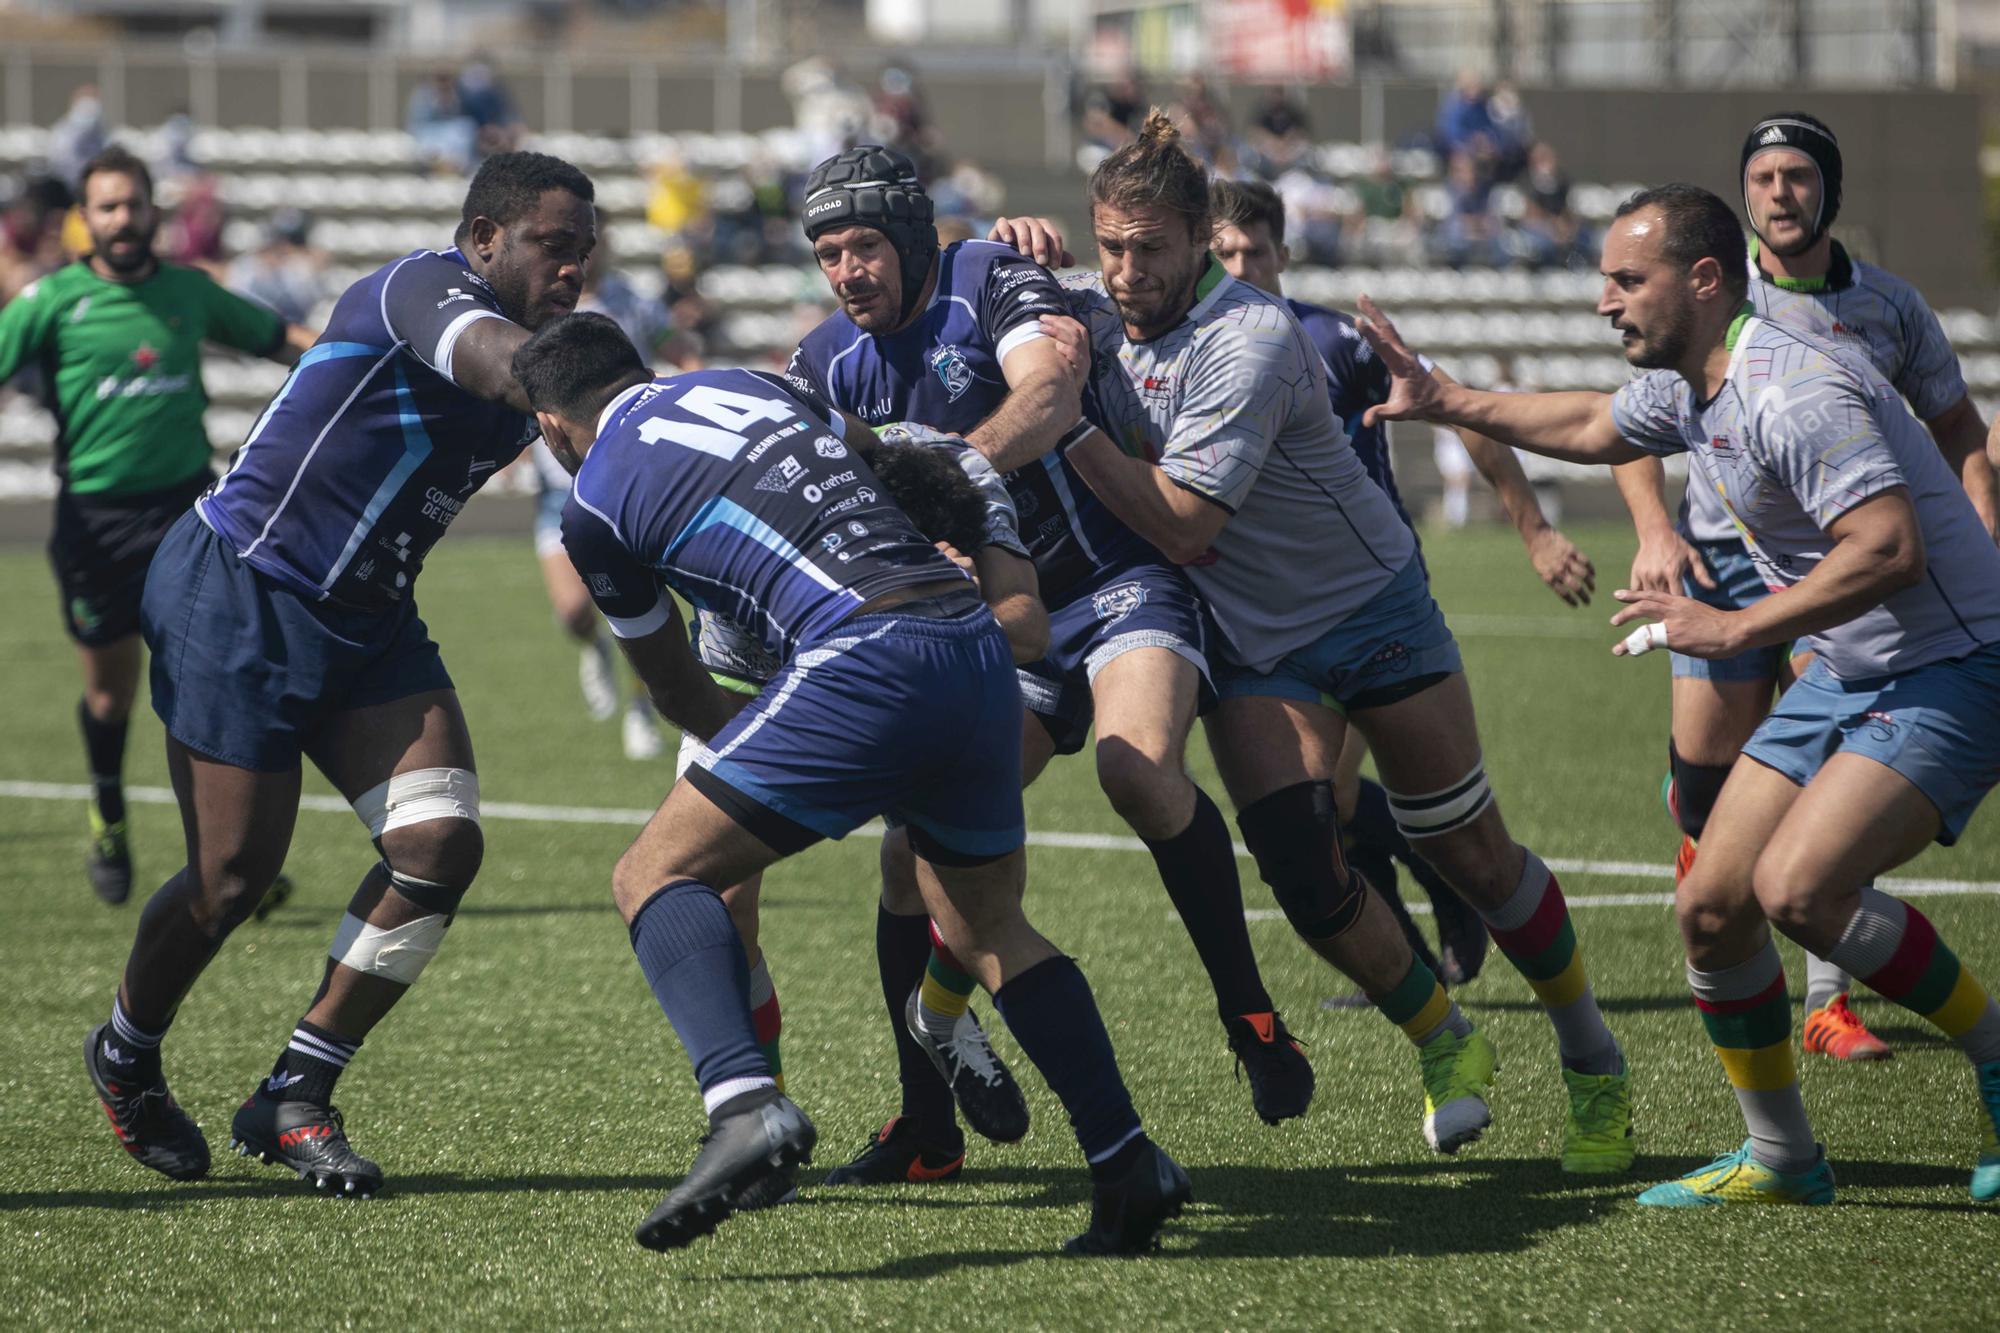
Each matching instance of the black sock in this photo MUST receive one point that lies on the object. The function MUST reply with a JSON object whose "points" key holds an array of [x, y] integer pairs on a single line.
{"points": [[130, 1051], [104, 747], [310, 1065], [902, 951], [1198, 866]]}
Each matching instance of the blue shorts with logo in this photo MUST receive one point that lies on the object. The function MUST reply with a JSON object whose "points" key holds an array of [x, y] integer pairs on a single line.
{"points": [[1737, 585], [1137, 604], [902, 713], [1937, 725], [248, 672], [1396, 645]]}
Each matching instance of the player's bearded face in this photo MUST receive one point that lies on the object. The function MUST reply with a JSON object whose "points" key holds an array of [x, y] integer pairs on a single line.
{"points": [[866, 276], [121, 221], [1151, 261], [1646, 298], [1783, 189], [536, 263]]}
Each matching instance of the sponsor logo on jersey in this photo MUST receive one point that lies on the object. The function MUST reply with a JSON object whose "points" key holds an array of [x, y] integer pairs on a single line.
{"points": [[1118, 601], [814, 493], [832, 541], [828, 447], [143, 385], [1029, 298], [781, 475], [601, 586], [857, 529], [473, 474], [456, 294], [1156, 386], [144, 357], [952, 369], [440, 507]]}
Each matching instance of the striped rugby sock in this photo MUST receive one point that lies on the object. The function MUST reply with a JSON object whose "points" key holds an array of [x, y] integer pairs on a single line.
{"points": [[765, 1020], [1419, 1006], [310, 1065], [1893, 947], [1533, 929], [945, 992], [1749, 1022]]}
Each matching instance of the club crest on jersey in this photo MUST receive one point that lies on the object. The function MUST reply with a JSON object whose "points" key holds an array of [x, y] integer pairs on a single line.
{"points": [[1115, 603], [951, 367]]}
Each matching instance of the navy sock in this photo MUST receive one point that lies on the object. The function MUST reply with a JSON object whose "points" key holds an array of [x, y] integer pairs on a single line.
{"points": [[902, 951], [1051, 1013], [1198, 866], [104, 747], [310, 1065], [693, 959]]}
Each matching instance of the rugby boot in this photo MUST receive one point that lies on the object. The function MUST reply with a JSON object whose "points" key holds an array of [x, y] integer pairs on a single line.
{"points": [[1281, 1079], [1457, 1073], [306, 1138], [597, 675], [898, 1154], [149, 1123], [1597, 1140], [1986, 1175], [987, 1095], [1127, 1211], [109, 862], [1684, 858], [774, 1189], [274, 897], [1738, 1178], [751, 1138], [1834, 1029]]}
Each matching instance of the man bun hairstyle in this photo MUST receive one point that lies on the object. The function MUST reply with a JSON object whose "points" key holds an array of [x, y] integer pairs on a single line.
{"points": [[1154, 171], [927, 484], [872, 186], [119, 160], [507, 187], [1699, 225], [1800, 133], [574, 365], [1246, 204]]}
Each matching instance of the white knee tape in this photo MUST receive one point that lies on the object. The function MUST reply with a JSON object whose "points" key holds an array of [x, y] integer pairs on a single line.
{"points": [[414, 797], [397, 954], [1442, 811]]}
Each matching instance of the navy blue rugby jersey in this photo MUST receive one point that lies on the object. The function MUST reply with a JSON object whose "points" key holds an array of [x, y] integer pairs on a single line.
{"points": [[1356, 381], [943, 371], [370, 449], [725, 486]]}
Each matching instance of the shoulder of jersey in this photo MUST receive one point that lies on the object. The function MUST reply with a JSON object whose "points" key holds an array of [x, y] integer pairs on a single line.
{"points": [[1900, 291]]}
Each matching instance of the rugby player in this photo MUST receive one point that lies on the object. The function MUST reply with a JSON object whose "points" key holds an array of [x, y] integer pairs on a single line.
{"points": [[1886, 743], [119, 333], [952, 338], [1802, 278], [1327, 618], [1249, 243], [895, 694], [282, 621]]}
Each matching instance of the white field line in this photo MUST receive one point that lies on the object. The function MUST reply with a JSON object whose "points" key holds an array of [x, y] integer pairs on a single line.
{"points": [[1095, 842]]}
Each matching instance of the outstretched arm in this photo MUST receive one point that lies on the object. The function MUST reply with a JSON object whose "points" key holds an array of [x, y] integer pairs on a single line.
{"points": [[1961, 438], [1574, 426]]}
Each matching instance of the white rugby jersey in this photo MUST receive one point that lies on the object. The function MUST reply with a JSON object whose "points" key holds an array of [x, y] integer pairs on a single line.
{"points": [[1800, 432], [1862, 308], [1232, 404]]}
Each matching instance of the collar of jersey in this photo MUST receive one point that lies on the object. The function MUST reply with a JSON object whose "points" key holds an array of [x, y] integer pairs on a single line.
{"points": [[1839, 272], [617, 405]]}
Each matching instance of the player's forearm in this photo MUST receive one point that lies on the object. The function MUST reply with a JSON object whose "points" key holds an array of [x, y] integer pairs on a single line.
{"points": [[1962, 439], [1181, 524], [1025, 622], [1574, 426], [1860, 573], [1502, 470], [1028, 422], [1642, 484]]}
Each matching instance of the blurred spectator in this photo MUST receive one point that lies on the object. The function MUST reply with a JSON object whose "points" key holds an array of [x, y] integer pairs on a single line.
{"points": [[1513, 131], [1314, 214], [1278, 134], [1112, 111], [1464, 115], [31, 224], [1550, 232], [444, 133], [607, 291], [967, 192], [1470, 233], [1204, 124], [693, 314], [677, 204], [1386, 225], [831, 113], [193, 235], [285, 272], [173, 159], [900, 118], [482, 98], [79, 136]]}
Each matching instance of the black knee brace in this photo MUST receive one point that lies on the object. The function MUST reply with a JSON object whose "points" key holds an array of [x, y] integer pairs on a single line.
{"points": [[1695, 788], [1295, 837]]}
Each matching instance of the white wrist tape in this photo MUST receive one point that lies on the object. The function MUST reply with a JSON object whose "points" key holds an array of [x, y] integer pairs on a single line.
{"points": [[396, 954], [417, 796], [1645, 639]]}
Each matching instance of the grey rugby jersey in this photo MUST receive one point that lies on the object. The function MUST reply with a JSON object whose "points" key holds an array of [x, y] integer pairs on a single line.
{"points": [[1864, 309], [1800, 432], [1232, 404]]}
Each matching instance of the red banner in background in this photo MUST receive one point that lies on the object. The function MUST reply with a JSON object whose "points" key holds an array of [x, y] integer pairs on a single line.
{"points": [[1278, 40]]}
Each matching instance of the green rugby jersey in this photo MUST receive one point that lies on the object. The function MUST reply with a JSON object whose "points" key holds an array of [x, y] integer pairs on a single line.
{"points": [[122, 362]]}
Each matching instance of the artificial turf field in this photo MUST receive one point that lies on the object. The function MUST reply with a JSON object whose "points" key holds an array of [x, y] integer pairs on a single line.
{"points": [[530, 1104]]}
